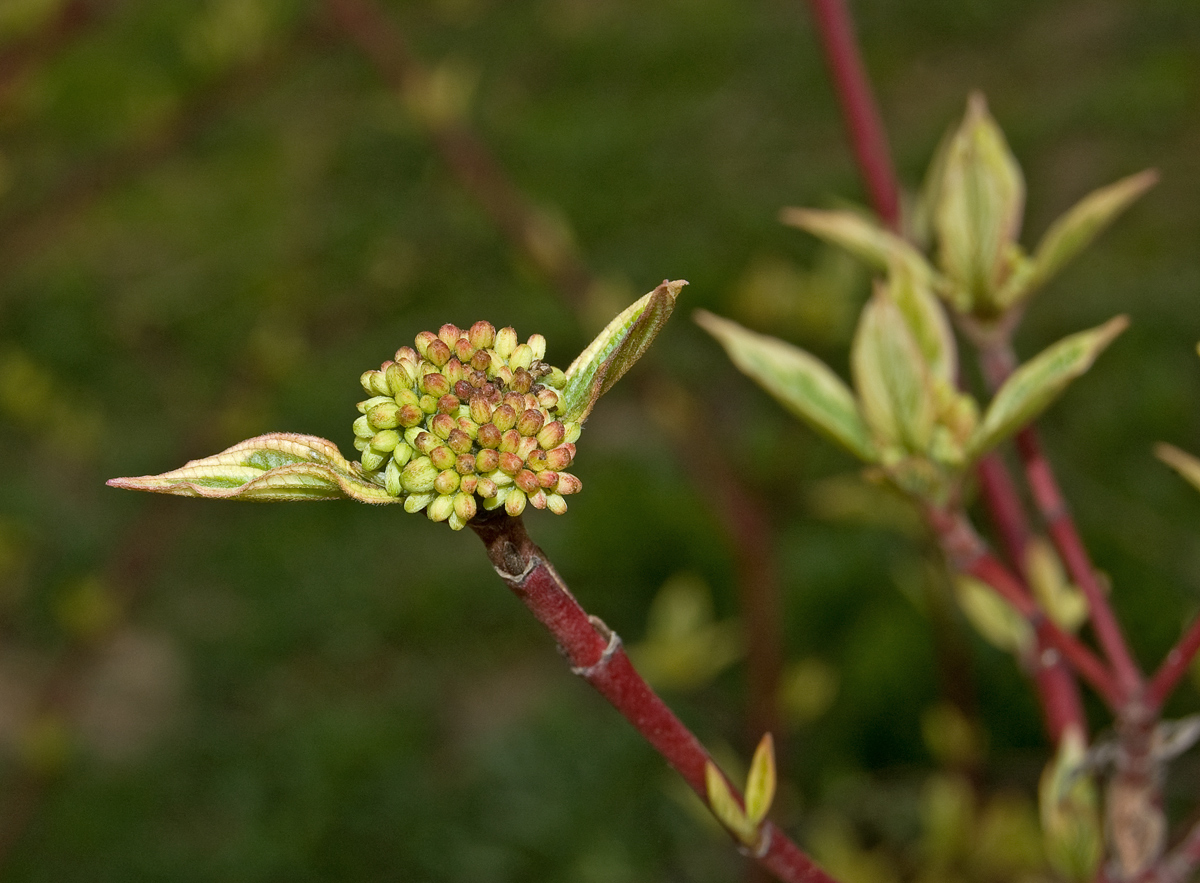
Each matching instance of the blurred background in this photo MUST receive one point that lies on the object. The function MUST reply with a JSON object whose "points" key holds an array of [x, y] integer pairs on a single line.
{"points": [[214, 215]]}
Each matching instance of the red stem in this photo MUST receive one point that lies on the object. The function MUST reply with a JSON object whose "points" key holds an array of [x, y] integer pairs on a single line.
{"points": [[859, 110], [1174, 666], [595, 654], [969, 554]]}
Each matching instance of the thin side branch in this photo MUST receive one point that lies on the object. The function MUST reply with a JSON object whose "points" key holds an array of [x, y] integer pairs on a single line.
{"points": [[1174, 666], [596, 654]]}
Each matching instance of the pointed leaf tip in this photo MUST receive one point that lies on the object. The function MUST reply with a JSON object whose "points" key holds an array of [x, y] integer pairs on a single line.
{"points": [[760, 784], [1036, 384], [1181, 461], [800, 382], [280, 466], [615, 349]]}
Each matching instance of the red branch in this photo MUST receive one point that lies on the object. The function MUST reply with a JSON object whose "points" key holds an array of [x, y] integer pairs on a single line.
{"points": [[863, 123], [596, 655], [1174, 666]]}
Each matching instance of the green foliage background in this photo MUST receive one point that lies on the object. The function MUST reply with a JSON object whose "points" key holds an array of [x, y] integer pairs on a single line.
{"points": [[214, 215]]}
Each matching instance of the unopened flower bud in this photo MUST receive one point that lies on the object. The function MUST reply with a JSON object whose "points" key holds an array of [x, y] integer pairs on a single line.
{"points": [[556, 504], [559, 458], [557, 378], [487, 460], [410, 416], [510, 464], [538, 499], [447, 481], [547, 479], [506, 342], [449, 333], [448, 404], [391, 479], [384, 416], [459, 441], [465, 464], [417, 502], [463, 350], [424, 339], [372, 459], [504, 417], [573, 429], [385, 441], [374, 383], [454, 371], [419, 475], [480, 410], [428, 404], [464, 506], [568, 484], [530, 422], [537, 344], [469, 483], [489, 436], [549, 398], [536, 460], [551, 435], [402, 454], [481, 361], [486, 488], [438, 353], [482, 335], [425, 442], [363, 428], [526, 481], [442, 425], [509, 441], [463, 389], [400, 378], [522, 357], [442, 506], [526, 446], [514, 503], [407, 397], [504, 374], [443, 458], [365, 406], [468, 427], [516, 401], [435, 385]]}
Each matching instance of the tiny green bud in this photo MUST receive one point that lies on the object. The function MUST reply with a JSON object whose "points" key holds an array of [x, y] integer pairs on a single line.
{"points": [[526, 446], [442, 425], [417, 502], [464, 506], [454, 371], [504, 417], [537, 344], [496, 500], [556, 504], [482, 335], [448, 404], [443, 458], [402, 454], [407, 354], [506, 342], [419, 475], [536, 460], [547, 479], [373, 459], [400, 378], [391, 479], [510, 441], [510, 464], [559, 458], [514, 503], [459, 441], [486, 488], [449, 333], [384, 416], [407, 397], [469, 483], [428, 404], [447, 481], [468, 427], [365, 406], [551, 435], [480, 410], [435, 385], [363, 428], [504, 374], [423, 340], [438, 353], [386, 440], [463, 350], [538, 499], [410, 416], [573, 430], [487, 460], [522, 357], [557, 378], [361, 444], [530, 422], [442, 507], [549, 398]]}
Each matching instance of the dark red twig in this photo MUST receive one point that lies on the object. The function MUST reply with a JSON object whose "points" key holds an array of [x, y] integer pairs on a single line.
{"points": [[859, 110], [595, 654], [1174, 666]]}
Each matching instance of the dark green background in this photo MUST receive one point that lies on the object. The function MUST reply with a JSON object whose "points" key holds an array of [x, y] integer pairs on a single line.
{"points": [[214, 216]]}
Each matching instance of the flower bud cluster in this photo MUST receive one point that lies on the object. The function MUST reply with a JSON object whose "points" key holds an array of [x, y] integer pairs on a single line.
{"points": [[468, 418]]}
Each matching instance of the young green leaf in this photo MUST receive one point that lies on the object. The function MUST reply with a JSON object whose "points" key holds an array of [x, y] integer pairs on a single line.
{"points": [[926, 320], [801, 382], [279, 466], [1181, 461], [615, 349], [1074, 231], [760, 784], [726, 807], [891, 376], [1037, 383], [1069, 806], [980, 205], [861, 237]]}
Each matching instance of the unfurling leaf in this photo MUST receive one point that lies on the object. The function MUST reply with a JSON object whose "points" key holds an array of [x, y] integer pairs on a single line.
{"points": [[760, 784], [1181, 461], [278, 466], [726, 807], [1069, 807], [1063, 602], [981, 200], [861, 237], [1037, 383], [891, 376], [801, 382], [615, 349], [994, 618], [926, 320], [1074, 231]]}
